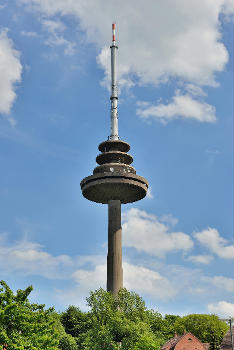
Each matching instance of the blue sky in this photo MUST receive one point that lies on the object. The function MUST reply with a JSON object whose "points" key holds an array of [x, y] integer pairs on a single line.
{"points": [[175, 72]]}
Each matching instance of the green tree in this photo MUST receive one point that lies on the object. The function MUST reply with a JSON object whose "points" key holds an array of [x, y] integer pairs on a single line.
{"points": [[25, 326], [119, 322], [76, 324], [207, 328], [215, 341], [169, 325], [67, 342], [163, 328]]}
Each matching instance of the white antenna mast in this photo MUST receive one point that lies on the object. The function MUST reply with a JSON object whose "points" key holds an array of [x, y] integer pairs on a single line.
{"points": [[114, 90]]}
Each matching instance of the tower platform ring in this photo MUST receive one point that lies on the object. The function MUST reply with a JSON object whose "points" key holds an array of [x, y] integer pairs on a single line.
{"points": [[114, 157], [114, 145], [101, 188]]}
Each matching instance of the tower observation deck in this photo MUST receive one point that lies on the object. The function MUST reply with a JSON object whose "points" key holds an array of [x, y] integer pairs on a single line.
{"points": [[114, 182]]}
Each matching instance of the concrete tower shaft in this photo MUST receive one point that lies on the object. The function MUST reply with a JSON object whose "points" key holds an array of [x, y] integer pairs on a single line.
{"points": [[114, 182], [114, 257]]}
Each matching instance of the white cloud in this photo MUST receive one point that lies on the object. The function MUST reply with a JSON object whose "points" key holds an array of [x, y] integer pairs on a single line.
{"points": [[29, 34], [146, 233], [151, 278], [164, 40], [55, 39], [148, 282], [211, 239], [228, 8], [195, 90], [201, 259], [53, 26], [212, 155], [85, 280], [185, 281], [182, 106], [29, 258], [137, 278], [157, 281], [10, 74], [149, 194], [169, 220], [124, 80], [69, 47], [158, 41], [222, 282], [193, 281], [213, 152], [222, 309], [91, 279]]}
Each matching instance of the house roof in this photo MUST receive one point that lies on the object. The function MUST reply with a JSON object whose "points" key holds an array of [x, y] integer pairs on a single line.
{"points": [[171, 344], [226, 343]]}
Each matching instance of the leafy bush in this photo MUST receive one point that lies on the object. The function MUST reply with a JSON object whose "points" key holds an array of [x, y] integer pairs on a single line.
{"points": [[25, 326]]}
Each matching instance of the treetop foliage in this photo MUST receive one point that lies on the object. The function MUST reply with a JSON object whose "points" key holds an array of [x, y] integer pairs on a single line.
{"points": [[121, 322], [25, 326], [208, 328]]}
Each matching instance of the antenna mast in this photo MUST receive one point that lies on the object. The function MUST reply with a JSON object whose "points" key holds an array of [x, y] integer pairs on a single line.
{"points": [[114, 90]]}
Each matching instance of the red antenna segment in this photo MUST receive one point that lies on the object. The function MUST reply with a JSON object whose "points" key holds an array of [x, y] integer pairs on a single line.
{"points": [[113, 32]]}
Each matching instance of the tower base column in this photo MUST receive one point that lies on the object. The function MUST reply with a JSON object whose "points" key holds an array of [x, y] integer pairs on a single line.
{"points": [[114, 257]]}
